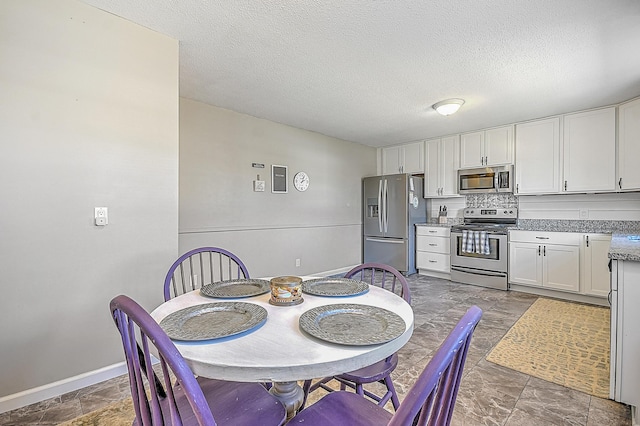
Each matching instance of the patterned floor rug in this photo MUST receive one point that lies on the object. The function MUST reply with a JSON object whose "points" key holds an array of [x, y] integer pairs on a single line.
{"points": [[561, 342], [119, 413]]}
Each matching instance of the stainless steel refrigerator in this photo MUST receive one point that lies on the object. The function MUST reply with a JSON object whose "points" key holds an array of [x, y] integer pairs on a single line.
{"points": [[393, 204]]}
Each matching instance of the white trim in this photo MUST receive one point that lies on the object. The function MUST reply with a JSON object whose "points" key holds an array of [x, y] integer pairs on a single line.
{"points": [[334, 271], [51, 390], [573, 297]]}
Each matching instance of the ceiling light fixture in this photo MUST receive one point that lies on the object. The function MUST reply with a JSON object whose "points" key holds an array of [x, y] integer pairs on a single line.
{"points": [[449, 106]]}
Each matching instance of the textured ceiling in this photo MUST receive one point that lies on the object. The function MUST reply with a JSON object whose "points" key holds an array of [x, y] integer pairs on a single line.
{"points": [[369, 70]]}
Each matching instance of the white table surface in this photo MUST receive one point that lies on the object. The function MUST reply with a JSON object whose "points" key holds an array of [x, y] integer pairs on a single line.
{"points": [[280, 351]]}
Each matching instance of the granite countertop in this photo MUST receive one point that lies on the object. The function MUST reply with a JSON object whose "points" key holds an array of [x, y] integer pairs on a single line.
{"points": [[623, 248]]}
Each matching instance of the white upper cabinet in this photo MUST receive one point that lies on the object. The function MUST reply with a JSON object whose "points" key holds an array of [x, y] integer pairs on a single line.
{"points": [[441, 160], [490, 147], [538, 157], [407, 158], [590, 151], [629, 146]]}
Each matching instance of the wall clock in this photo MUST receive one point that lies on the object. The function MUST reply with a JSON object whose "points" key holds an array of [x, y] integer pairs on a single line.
{"points": [[301, 181]]}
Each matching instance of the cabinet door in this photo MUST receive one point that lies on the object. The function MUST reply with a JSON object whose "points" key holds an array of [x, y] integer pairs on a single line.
{"points": [[392, 160], [590, 151], [472, 150], [450, 156], [595, 264], [525, 263], [538, 157], [432, 172], [561, 267], [413, 158], [498, 146], [629, 145]]}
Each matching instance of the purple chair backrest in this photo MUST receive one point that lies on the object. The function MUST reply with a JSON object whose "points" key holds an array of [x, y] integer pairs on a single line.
{"points": [[201, 266], [384, 276], [432, 398], [150, 406]]}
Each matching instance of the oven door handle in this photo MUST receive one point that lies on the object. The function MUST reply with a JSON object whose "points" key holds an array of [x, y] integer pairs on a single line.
{"points": [[478, 272]]}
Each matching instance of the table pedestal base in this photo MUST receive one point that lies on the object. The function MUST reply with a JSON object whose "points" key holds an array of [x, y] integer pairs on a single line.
{"points": [[290, 394]]}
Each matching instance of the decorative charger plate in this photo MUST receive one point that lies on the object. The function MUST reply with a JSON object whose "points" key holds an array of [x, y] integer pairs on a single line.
{"points": [[352, 324], [235, 288], [334, 287], [213, 320]]}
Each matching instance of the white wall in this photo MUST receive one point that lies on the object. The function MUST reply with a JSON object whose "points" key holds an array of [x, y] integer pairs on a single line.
{"points": [[322, 226], [89, 117]]}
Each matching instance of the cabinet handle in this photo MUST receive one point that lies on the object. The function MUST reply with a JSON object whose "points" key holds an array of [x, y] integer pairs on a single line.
{"points": [[433, 261], [565, 185], [620, 183], [544, 250], [538, 250], [587, 241], [517, 188], [432, 244], [486, 160], [432, 232], [542, 238]]}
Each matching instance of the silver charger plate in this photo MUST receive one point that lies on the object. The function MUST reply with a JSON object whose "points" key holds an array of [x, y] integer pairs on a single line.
{"points": [[334, 287], [213, 320], [352, 324], [236, 288]]}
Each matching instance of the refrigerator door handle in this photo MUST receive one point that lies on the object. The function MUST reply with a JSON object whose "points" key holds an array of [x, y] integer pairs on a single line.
{"points": [[386, 210], [385, 240], [380, 206]]}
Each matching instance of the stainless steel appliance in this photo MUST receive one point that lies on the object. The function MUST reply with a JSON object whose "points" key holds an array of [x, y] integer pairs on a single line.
{"points": [[393, 204], [485, 179], [479, 247]]}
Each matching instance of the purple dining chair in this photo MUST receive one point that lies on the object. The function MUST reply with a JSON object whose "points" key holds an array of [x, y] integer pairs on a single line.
{"points": [[177, 397], [430, 401], [390, 279], [201, 266]]}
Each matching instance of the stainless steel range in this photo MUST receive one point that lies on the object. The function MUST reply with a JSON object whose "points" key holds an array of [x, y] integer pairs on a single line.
{"points": [[479, 247]]}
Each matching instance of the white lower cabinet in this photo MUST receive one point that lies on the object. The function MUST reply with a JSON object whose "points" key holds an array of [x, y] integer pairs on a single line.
{"points": [[625, 337], [433, 250], [545, 259], [570, 262], [595, 264]]}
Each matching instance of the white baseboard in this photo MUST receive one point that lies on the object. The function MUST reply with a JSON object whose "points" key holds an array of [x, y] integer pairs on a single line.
{"points": [[51, 390], [335, 271]]}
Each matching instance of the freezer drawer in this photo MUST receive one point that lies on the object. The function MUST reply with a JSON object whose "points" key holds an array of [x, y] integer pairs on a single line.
{"points": [[391, 251]]}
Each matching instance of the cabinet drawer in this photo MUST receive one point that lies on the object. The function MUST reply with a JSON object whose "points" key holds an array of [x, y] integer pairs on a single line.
{"points": [[438, 231], [545, 237], [433, 261], [433, 244]]}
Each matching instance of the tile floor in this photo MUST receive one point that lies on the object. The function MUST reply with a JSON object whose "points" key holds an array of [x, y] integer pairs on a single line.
{"points": [[489, 394]]}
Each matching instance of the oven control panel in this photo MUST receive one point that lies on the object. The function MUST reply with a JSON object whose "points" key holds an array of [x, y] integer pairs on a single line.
{"points": [[491, 213]]}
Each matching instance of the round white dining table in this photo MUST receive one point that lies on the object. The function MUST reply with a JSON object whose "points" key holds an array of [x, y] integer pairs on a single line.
{"points": [[279, 351]]}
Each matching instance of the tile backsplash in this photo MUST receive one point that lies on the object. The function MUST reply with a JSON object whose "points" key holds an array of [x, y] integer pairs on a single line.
{"points": [[500, 200]]}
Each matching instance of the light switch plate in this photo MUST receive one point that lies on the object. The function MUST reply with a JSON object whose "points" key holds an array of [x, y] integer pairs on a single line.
{"points": [[258, 186]]}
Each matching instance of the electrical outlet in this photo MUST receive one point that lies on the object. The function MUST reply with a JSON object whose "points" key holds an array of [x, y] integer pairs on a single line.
{"points": [[101, 216], [584, 214], [258, 186], [297, 262]]}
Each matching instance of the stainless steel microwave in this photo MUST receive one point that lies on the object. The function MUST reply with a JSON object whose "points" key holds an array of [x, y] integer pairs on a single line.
{"points": [[485, 180]]}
